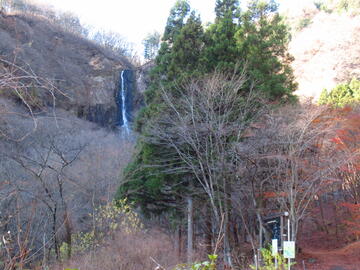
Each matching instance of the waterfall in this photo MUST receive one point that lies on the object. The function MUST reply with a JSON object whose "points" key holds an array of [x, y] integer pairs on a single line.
{"points": [[123, 103], [124, 100]]}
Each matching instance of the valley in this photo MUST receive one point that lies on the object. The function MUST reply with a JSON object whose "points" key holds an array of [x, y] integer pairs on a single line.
{"points": [[225, 137]]}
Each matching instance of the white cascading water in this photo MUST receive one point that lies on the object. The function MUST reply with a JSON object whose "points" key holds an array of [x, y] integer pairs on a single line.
{"points": [[123, 100]]}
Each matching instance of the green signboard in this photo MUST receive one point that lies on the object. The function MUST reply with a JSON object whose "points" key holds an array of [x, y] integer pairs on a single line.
{"points": [[289, 249]]}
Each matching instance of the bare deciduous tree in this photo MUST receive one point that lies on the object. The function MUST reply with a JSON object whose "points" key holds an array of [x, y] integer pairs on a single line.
{"points": [[22, 84], [289, 161], [52, 169], [199, 128]]}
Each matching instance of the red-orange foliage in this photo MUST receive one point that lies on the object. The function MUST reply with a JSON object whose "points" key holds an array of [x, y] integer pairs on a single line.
{"points": [[347, 142], [271, 194], [353, 223]]}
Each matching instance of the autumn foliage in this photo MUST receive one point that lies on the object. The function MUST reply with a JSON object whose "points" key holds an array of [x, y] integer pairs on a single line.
{"points": [[347, 144]]}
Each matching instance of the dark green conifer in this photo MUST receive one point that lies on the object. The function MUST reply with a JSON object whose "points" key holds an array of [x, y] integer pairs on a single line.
{"points": [[226, 8], [262, 40], [176, 20], [187, 49], [220, 50]]}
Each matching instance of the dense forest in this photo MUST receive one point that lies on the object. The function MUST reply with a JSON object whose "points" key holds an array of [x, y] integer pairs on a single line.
{"points": [[227, 157]]}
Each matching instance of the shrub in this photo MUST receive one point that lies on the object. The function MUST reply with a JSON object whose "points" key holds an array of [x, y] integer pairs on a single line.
{"points": [[342, 95], [108, 219], [348, 6], [205, 265], [268, 260], [304, 22], [126, 252]]}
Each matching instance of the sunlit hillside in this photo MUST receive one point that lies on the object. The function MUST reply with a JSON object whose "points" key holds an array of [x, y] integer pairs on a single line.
{"points": [[326, 52]]}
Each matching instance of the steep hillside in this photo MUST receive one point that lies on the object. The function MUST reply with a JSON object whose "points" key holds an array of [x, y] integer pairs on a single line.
{"points": [[55, 168], [326, 52], [86, 74]]}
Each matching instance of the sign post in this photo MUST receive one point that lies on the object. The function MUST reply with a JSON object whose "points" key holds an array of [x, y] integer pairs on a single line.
{"points": [[289, 251], [256, 262], [289, 248], [276, 225], [274, 249]]}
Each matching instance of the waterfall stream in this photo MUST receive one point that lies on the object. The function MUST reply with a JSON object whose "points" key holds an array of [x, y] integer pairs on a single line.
{"points": [[123, 103], [124, 100]]}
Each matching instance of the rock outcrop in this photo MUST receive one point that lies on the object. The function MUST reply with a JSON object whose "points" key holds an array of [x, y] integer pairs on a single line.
{"points": [[142, 83]]}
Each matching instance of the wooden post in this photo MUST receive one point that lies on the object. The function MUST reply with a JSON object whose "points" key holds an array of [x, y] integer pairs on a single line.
{"points": [[282, 232]]}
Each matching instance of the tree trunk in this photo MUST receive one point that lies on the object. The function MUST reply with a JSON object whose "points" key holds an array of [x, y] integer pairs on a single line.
{"points": [[56, 245], [190, 229], [227, 247], [44, 261], [294, 224], [324, 225], [336, 219], [178, 242], [68, 234], [208, 232]]}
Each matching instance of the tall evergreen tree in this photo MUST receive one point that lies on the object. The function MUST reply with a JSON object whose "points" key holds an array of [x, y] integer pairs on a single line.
{"points": [[226, 8], [220, 50], [262, 40], [160, 74], [187, 49], [148, 184], [176, 20]]}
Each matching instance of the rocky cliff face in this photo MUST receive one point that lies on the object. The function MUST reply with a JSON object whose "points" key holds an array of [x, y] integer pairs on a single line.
{"points": [[142, 77], [86, 75]]}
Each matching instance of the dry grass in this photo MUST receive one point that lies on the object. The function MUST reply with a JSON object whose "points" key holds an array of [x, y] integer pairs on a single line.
{"points": [[127, 252]]}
